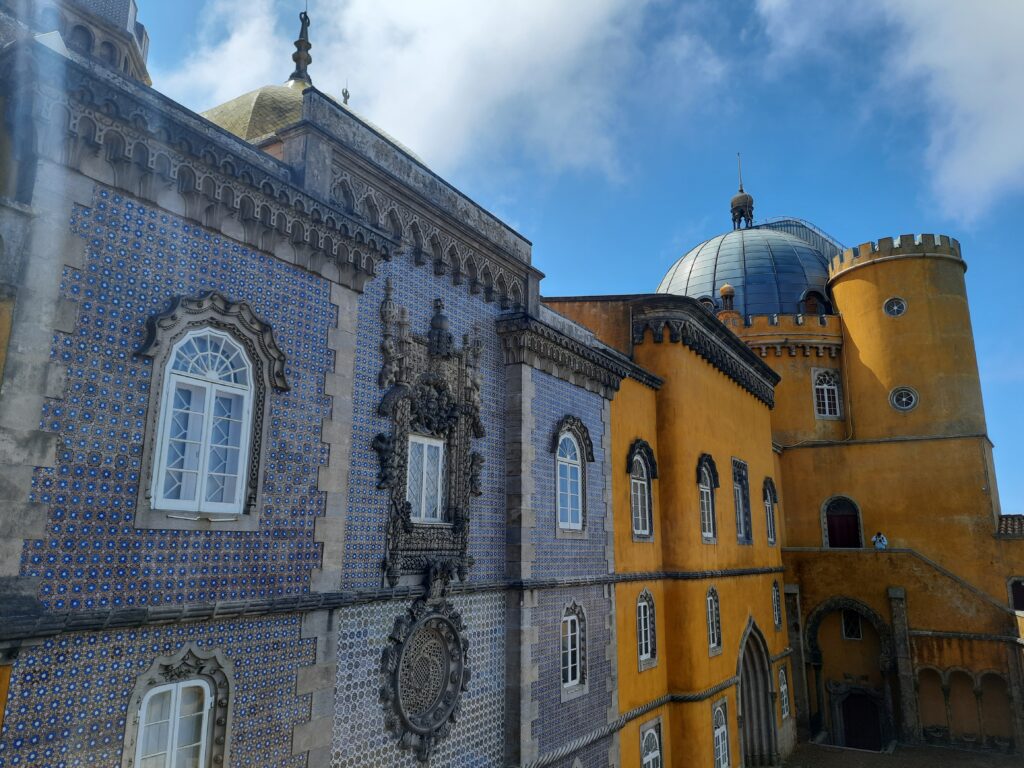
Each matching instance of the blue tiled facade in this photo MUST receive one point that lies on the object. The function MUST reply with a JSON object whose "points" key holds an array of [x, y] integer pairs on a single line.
{"points": [[137, 258], [553, 400], [69, 695], [559, 722]]}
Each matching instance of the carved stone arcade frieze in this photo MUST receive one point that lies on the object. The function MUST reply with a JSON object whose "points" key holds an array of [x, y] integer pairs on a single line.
{"points": [[432, 389]]}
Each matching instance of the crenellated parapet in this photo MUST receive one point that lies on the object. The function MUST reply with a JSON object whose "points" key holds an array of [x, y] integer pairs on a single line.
{"points": [[793, 335], [902, 247]]}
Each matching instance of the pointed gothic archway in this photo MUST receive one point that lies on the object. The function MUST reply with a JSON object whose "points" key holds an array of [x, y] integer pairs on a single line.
{"points": [[758, 736]]}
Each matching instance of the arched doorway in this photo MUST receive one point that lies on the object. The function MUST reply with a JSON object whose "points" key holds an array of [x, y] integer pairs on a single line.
{"points": [[757, 709]]}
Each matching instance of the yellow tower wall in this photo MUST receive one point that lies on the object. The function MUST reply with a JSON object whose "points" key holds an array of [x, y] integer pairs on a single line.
{"points": [[930, 348]]}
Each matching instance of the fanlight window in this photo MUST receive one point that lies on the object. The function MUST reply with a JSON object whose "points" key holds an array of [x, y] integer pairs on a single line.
{"points": [[640, 498], [205, 425], [714, 619], [707, 505], [174, 727], [651, 749], [721, 736], [826, 394], [425, 482], [570, 651], [570, 508]]}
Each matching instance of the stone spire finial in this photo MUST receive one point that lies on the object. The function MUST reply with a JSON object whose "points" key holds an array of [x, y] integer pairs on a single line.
{"points": [[742, 205], [301, 56]]}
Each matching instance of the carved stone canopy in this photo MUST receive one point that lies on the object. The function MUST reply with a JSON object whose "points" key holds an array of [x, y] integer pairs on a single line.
{"points": [[215, 309], [575, 426], [432, 390], [641, 449]]}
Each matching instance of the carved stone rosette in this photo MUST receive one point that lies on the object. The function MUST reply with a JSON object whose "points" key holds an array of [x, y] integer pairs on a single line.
{"points": [[433, 390], [425, 669]]}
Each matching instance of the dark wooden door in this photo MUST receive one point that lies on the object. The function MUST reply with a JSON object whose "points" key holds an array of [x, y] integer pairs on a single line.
{"points": [[861, 724]]}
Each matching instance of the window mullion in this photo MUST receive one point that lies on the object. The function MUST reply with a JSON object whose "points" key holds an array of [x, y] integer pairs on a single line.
{"points": [[172, 732], [204, 447]]}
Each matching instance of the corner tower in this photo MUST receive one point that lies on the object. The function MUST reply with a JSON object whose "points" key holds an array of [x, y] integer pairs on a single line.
{"points": [[911, 368]]}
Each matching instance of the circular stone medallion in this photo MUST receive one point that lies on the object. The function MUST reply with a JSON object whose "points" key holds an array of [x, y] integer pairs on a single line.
{"points": [[425, 672]]}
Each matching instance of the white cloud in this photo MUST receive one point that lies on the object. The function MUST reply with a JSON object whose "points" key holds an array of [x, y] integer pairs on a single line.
{"points": [[961, 64], [461, 81], [237, 49]]}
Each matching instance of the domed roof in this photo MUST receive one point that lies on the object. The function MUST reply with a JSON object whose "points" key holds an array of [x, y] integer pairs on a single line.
{"points": [[260, 112], [770, 270]]}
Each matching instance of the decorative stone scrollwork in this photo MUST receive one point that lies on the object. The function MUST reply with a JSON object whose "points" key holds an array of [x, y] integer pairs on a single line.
{"points": [[425, 670], [641, 449], [432, 390]]}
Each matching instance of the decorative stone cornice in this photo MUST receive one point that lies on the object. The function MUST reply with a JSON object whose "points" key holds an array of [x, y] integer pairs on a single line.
{"points": [[688, 323], [525, 339], [794, 348]]}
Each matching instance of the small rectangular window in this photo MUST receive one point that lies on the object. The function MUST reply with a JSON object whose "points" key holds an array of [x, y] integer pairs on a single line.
{"points": [[425, 483], [741, 499], [851, 625]]}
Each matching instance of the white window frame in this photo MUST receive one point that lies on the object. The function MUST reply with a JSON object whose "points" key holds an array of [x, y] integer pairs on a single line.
{"points": [[714, 619], [570, 651], [650, 759], [769, 511], [210, 388], [569, 523], [784, 692], [707, 504], [776, 605], [643, 629], [172, 738], [640, 497], [426, 442], [720, 735], [741, 501], [827, 395]]}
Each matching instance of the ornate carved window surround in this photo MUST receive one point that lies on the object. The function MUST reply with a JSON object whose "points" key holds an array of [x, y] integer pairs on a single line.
{"points": [[574, 426], [432, 389], [580, 688], [163, 330], [189, 663]]}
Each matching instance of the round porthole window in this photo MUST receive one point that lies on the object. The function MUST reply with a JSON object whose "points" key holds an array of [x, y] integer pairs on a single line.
{"points": [[895, 306], [903, 399]]}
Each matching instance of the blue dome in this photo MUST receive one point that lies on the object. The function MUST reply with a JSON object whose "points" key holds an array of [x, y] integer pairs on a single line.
{"points": [[771, 270]]}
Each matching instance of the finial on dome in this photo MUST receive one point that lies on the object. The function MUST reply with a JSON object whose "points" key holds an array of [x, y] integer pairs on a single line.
{"points": [[728, 294], [301, 56], [742, 204]]}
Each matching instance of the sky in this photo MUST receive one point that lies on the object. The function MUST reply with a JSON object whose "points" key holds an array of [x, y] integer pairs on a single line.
{"points": [[606, 131]]}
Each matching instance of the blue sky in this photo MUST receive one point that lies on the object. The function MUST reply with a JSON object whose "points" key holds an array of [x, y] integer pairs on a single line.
{"points": [[606, 130]]}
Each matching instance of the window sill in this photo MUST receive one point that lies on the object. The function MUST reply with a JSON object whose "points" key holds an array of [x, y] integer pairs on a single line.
{"points": [[709, 540], [432, 523], [146, 517], [648, 663], [574, 691], [570, 533], [716, 651], [643, 538]]}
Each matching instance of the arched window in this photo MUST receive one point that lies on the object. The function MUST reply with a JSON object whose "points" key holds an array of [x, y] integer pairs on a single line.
{"points": [[650, 748], [842, 524], [574, 647], [784, 692], [741, 497], [771, 498], [776, 605], [80, 39], [827, 403], [646, 634], [816, 304], [720, 731], [640, 498], [108, 54], [707, 481], [570, 506], [205, 424], [714, 617], [180, 712]]}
